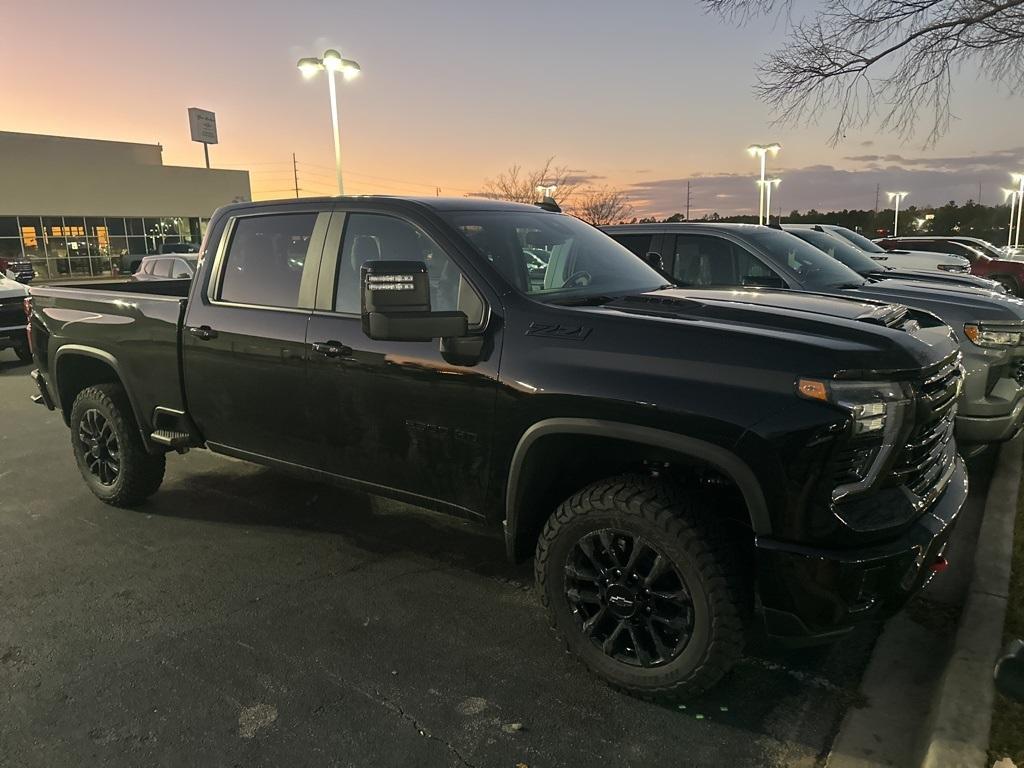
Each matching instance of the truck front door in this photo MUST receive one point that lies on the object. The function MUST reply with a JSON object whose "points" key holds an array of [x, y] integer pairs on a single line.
{"points": [[398, 414], [244, 339]]}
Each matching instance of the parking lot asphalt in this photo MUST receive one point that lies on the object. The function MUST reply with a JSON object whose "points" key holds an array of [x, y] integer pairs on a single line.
{"points": [[242, 617]]}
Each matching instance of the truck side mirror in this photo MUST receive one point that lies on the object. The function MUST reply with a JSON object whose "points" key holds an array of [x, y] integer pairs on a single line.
{"points": [[1009, 673], [395, 302]]}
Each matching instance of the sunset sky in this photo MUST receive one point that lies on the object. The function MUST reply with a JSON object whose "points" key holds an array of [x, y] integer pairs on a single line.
{"points": [[643, 95]]}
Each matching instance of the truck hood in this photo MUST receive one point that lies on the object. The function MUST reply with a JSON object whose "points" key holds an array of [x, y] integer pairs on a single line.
{"points": [[846, 333], [940, 279], [953, 304]]}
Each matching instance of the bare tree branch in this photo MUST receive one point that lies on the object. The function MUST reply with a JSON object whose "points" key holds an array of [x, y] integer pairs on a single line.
{"points": [[601, 206], [520, 186], [884, 60]]}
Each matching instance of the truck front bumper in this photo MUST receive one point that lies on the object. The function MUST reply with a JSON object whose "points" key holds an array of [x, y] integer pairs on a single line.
{"points": [[990, 413], [811, 595]]}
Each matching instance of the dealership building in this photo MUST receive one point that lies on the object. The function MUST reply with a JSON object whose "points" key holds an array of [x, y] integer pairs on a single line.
{"points": [[81, 207]]}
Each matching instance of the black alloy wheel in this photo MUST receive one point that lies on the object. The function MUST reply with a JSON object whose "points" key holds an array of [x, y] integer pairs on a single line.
{"points": [[99, 443], [629, 598]]}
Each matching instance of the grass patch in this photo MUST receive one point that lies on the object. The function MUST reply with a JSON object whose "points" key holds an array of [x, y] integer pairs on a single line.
{"points": [[1007, 738]]}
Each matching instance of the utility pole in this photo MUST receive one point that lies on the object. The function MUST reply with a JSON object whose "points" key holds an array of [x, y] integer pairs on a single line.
{"points": [[437, 191], [295, 173], [687, 200]]}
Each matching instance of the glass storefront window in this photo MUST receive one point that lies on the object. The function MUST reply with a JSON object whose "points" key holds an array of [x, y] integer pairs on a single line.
{"points": [[10, 248], [115, 226], [9, 226], [135, 226]]}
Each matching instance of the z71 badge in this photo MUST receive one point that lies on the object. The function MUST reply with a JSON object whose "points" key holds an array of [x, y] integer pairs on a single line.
{"points": [[558, 331]]}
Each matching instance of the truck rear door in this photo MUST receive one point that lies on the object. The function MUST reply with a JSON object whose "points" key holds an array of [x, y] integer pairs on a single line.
{"points": [[244, 340]]}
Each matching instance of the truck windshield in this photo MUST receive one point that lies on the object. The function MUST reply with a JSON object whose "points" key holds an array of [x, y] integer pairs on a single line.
{"points": [[840, 250], [858, 239], [553, 257], [816, 270]]}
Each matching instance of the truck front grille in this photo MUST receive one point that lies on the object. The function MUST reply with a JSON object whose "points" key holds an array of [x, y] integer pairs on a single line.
{"points": [[929, 456]]}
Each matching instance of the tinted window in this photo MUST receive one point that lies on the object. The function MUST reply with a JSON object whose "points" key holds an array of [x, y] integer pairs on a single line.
{"points": [[162, 268], [857, 239], [265, 259], [552, 256], [371, 237], [181, 269], [638, 244], [840, 250], [147, 267], [816, 270], [705, 260]]}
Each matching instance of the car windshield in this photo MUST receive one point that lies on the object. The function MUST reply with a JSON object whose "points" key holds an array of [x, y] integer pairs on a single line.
{"points": [[857, 239], [840, 250], [985, 247], [553, 257], [817, 271]]}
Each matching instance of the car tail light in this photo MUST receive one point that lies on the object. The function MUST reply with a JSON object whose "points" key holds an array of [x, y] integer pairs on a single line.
{"points": [[27, 304]]}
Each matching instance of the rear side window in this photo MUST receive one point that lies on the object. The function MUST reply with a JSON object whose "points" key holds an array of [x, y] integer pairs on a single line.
{"points": [[162, 268], [265, 259]]}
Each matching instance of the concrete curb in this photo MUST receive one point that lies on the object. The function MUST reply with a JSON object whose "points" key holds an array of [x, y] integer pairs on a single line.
{"points": [[958, 729]]}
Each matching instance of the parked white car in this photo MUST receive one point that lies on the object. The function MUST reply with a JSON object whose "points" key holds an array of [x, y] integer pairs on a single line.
{"points": [[898, 259], [12, 318]]}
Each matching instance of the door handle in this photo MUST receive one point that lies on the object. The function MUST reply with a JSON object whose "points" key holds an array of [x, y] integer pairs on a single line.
{"points": [[331, 348], [203, 332]]}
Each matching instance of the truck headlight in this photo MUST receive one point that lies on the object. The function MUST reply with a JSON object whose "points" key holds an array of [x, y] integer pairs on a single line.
{"points": [[953, 268], [985, 336], [879, 410]]}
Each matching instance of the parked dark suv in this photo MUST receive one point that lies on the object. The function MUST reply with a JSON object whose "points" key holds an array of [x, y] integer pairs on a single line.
{"points": [[1008, 272]]}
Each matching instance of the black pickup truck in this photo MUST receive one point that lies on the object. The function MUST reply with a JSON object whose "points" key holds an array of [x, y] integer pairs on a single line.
{"points": [[680, 463]]}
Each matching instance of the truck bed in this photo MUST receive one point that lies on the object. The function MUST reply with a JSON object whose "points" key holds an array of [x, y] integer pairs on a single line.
{"points": [[135, 324]]}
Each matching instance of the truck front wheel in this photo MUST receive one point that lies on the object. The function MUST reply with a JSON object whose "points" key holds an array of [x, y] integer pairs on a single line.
{"points": [[109, 449], [643, 587]]}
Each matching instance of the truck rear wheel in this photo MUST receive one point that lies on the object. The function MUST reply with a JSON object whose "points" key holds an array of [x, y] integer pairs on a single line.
{"points": [[643, 588], [109, 449]]}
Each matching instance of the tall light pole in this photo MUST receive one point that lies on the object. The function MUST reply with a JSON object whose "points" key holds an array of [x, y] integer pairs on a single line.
{"points": [[331, 63], [768, 184], [898, 198], [761, 151], [1011, 195], [1019, 178]]}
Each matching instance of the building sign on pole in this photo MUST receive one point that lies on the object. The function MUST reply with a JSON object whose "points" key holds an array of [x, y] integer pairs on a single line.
{"points": [[203, 125]]}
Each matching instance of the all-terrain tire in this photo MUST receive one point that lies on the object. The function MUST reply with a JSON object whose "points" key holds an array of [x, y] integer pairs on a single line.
{"points": [[139, 472], [693, 540]]}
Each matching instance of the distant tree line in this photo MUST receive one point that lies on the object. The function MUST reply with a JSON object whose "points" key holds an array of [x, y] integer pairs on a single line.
{"points": [[989, 222]]}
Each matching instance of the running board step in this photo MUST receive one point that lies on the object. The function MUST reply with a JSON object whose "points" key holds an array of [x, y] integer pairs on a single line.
{"points": [[172, 439]]}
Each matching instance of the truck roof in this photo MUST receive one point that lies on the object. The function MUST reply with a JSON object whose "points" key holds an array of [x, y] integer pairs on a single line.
{"points": [[436, 203]]}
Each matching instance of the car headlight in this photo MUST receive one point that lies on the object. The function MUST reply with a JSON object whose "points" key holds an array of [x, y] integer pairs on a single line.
{"points": [[878, 411], [987, 336]]}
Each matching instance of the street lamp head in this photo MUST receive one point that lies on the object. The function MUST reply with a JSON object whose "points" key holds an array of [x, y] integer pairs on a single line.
{"points": [[774, 182], [310, 66], [1018, 178], [774, 148], [332, 60], [349, 69], [897, 196]]}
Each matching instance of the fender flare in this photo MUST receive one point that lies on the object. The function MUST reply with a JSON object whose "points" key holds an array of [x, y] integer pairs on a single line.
{"points": [[98, 354], [724, 460]]}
